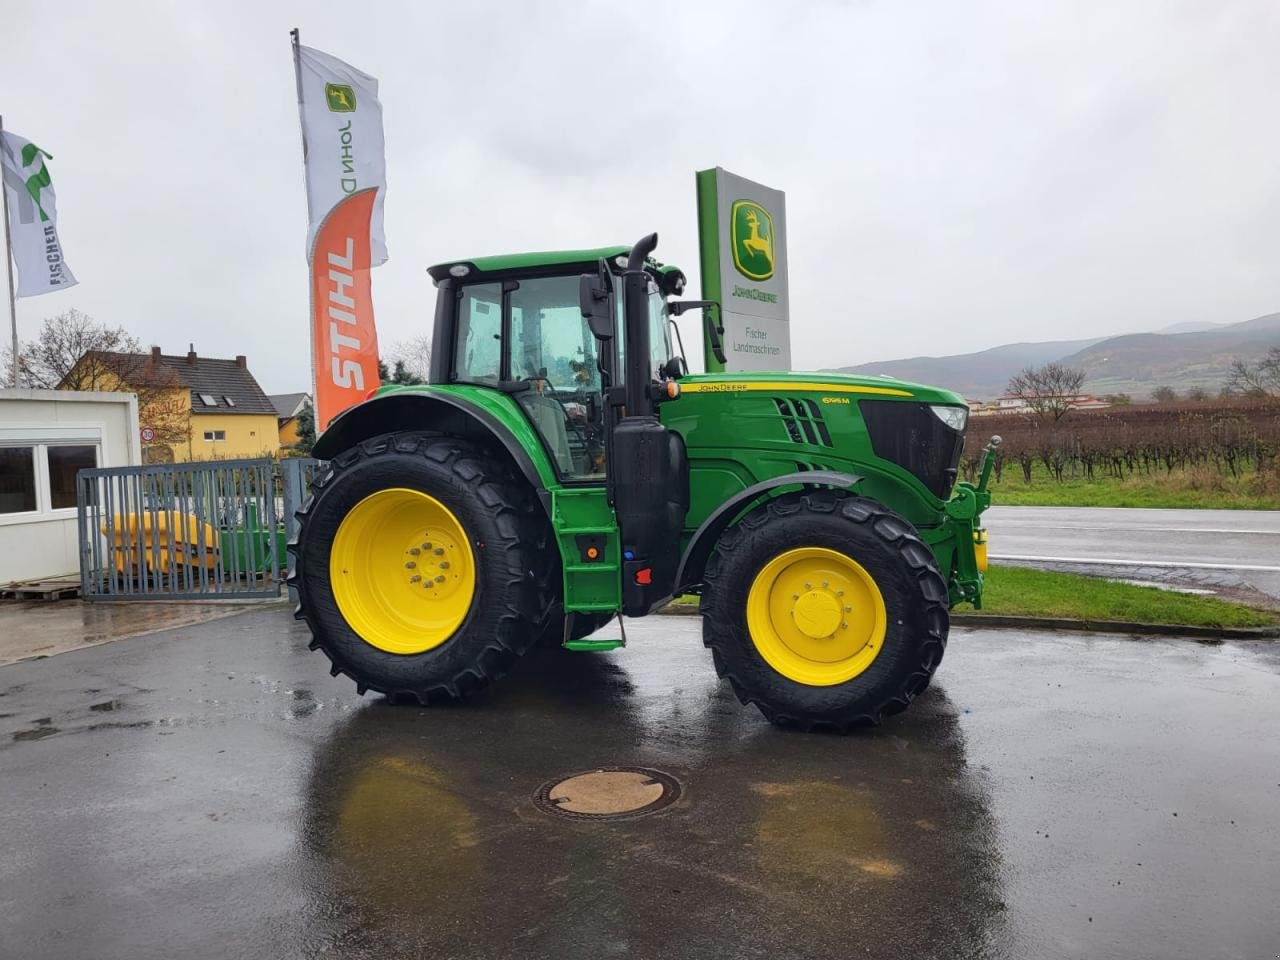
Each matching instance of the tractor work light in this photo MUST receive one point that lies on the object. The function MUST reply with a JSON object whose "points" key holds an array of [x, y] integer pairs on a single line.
{"points": [[953, 417], [459, 270]]}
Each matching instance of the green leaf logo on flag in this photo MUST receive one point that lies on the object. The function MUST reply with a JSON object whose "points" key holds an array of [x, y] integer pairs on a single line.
{"points": [[341, 98], [752, 230], [38, 180]]}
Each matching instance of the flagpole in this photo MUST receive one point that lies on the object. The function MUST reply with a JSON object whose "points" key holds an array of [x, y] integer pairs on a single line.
{"points": [[8, 262], [295, 40], [302, 128]]}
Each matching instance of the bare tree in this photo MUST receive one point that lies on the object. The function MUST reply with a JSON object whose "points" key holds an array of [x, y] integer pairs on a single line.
{"points": [[415, 356], [63, 341], [1049, 390], [1261, 379], [1164, 394], [75, 352], [1197, 394]]}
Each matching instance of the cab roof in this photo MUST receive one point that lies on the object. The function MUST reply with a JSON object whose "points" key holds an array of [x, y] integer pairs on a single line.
{"points": [[479, 266]]}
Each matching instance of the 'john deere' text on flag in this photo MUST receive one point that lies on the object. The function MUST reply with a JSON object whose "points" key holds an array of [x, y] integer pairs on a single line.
{"points": [[342, 137], [33, 218]]}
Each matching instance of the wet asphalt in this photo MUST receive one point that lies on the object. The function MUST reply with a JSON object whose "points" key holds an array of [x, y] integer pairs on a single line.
{"points": [[211, 792], [1211, 548]]}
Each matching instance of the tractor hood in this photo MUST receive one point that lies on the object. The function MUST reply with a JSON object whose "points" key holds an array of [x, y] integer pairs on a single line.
{"points": [[831, 384]]}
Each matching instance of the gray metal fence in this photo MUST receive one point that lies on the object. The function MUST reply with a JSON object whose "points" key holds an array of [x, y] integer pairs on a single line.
{"points": [[188, 531]]}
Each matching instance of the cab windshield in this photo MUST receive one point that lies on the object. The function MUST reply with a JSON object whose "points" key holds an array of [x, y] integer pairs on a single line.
{"points": [[533, 331]]}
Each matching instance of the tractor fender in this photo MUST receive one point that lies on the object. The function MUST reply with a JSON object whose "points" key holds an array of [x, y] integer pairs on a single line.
{"points": [[418, 410], [696, 554]]}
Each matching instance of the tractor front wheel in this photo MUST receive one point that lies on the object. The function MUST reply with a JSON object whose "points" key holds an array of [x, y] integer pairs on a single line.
{"points": [[824, 610], [413, 567]]}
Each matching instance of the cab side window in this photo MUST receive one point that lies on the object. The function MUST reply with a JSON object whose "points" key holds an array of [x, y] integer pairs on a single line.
{"points": [[479, 344]]}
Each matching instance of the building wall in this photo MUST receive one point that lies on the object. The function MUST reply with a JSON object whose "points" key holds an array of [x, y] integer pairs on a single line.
{"points": [[289, 432], [245, 435], [44, 542]]}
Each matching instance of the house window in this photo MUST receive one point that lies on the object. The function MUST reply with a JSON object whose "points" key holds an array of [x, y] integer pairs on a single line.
{"points": [[230, 402], [17, 479], [64, 461], [208, 399], [215, 435]]}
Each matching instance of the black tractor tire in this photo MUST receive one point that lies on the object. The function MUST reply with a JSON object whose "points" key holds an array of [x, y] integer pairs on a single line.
{"points": [[504, 526], [904, 570]]}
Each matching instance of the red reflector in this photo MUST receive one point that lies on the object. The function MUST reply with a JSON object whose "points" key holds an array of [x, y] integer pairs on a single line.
{"points": [[644, 577], [369, 395]]}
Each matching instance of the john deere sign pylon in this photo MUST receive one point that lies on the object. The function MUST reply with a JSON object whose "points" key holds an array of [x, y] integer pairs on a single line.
{"points": [[743, 238]]}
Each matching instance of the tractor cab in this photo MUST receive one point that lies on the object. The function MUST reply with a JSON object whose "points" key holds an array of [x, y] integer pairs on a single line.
{"points": [[516, 324], [587, 356]]}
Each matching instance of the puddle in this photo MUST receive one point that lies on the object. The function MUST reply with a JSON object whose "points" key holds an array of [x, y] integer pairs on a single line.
{"points": [[36, 733]]}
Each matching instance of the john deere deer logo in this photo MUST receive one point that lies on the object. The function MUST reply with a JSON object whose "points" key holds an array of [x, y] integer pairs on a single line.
{"points": [[752, 239], [341, 98]]}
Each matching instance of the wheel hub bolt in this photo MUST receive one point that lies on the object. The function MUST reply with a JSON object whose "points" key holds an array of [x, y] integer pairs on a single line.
{"points": [[848, 609], [410, 565], [415, 578], [444, 564], [439, 579], [427, 545], [414, 551], [439, 551]]}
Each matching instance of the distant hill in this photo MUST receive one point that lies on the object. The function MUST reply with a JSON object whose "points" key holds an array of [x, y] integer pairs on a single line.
{"points": [[1183, 356], [980, 375], [1140, 362]]}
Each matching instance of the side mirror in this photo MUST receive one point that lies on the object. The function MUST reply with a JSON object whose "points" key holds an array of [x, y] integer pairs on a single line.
{"points": [[710, 319], [595, 299]]}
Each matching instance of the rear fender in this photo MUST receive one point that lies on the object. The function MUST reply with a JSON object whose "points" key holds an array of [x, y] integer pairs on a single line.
{"points": [[437, 412]]}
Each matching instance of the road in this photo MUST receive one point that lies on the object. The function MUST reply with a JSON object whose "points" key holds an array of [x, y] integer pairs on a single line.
{"points": [[1223, 547], [210, 791]]}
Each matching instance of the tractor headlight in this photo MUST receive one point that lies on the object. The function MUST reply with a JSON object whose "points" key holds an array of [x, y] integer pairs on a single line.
{"points": [[953, 417]]}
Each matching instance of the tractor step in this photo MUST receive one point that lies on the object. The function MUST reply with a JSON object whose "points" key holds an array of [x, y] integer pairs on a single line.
{"points": [[594, 646]]}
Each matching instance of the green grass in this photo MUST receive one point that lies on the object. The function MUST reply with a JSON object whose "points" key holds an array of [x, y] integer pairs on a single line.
{"points": [[1017, 591], [1020, 592], [1196, 487]]}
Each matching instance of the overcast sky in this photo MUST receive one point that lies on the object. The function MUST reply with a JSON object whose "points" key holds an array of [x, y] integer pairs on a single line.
{"points": [[958, 175]]}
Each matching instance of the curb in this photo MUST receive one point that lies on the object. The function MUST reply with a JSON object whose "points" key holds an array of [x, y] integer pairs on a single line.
{"points": [[1064, 623]]}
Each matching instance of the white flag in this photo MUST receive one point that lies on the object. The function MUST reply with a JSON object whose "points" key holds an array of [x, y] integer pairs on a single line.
{"points": [[342, 136], [33, 218]]}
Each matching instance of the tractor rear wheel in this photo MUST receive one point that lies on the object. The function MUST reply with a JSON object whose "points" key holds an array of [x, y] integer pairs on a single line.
{"points": [[413, 566], [825, 610]]}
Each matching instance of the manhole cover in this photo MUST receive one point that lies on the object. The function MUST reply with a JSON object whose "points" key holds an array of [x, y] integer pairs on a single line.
{"points": [[612, 793]]}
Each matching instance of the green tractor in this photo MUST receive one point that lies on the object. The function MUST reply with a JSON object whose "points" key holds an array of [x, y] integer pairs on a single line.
{"points": [[563, 468]]}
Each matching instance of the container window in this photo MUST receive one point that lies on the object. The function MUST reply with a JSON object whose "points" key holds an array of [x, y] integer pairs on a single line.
{"points": [[17, 479], [64, 461]]}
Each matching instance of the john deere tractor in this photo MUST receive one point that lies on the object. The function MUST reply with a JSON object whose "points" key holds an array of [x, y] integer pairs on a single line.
{"points": [[562, 468]]}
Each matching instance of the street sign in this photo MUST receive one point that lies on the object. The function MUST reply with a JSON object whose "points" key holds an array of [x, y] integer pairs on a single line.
{"points": [[743, 240], [148, 434]]}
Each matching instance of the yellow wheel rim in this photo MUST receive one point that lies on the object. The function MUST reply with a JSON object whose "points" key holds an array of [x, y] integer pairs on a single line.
{"points": [[816, 616], [402, 571]]}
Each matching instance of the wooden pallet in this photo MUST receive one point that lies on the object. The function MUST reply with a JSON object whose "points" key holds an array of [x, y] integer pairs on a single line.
{"points": [[41, 590]]}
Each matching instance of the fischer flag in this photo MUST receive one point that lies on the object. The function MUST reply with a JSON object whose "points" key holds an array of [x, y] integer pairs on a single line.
{"points": [[342, 141], [33, 218], [346, 180]]}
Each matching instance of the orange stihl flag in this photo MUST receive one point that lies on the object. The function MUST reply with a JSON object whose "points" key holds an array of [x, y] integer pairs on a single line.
{"points": [[344, 343]]}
